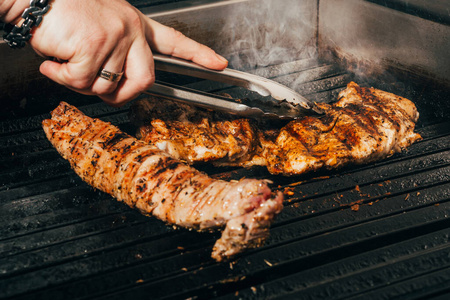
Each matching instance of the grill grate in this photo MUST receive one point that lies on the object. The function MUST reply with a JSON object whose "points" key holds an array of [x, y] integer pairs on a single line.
{"points": [[378, 230]]}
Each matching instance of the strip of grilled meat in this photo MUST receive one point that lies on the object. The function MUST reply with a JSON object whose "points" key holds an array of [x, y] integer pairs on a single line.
{"points": [[364, 125], [193, 135], [144, 177]]}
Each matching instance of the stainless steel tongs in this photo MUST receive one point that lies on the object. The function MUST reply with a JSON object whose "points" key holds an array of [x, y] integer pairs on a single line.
{"points": [[288, 104]]}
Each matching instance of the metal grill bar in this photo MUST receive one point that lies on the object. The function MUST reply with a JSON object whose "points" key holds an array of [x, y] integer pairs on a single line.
{"points": [[354, 232]]}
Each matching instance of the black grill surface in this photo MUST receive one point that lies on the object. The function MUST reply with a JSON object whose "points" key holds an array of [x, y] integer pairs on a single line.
{"points": [[371, 231]]}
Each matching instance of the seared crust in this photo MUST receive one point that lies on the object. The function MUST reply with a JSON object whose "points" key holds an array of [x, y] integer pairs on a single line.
{"points": [[364, 125], [193, 135], [144, 177]]}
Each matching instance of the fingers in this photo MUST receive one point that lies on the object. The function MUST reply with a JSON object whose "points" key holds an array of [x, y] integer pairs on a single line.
{"points": [[167, 40], [138, 74], [114, 63], [75, 74], [84, 75], [137, 66], [123, 45]]}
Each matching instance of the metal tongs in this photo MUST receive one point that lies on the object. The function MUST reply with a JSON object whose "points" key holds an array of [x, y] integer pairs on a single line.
{"points": [[288, 104]]}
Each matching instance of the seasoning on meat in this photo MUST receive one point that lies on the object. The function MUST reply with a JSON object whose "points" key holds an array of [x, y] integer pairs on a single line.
{"points": [[144, 177], [193, 135], [364, 125]]}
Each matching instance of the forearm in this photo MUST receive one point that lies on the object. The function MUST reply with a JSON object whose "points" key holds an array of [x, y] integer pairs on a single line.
{"points": [[11, 10]]}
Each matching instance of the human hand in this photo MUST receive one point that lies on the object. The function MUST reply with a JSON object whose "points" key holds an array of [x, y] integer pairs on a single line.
{"points": [[88, 36]]}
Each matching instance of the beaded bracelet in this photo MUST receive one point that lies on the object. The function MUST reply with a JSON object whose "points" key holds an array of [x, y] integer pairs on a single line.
{"points": [[17, 36]]}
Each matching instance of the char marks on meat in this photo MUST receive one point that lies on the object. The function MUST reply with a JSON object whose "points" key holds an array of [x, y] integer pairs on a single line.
{"points": [[149, 179], [194, 135], [364, 125]]}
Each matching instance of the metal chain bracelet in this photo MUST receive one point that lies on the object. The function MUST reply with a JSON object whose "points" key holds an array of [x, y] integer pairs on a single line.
{"points": [[17, 36]]}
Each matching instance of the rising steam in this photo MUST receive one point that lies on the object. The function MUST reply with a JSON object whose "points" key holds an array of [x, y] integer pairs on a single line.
{"points": [[268, 32]]}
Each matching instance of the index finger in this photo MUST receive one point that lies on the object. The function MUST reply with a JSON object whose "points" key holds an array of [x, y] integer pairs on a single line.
{"points": [[167, 40]]}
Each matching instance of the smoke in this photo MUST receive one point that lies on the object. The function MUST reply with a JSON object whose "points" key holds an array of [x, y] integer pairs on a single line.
{"points": [[269, 32]]}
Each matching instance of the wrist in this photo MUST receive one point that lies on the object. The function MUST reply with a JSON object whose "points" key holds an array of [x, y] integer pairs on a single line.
{"points": [[17, 35]]}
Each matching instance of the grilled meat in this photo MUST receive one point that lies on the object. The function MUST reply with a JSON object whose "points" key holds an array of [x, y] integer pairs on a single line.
{"points": [[146, 178], [364, 125], [193, 135]]}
